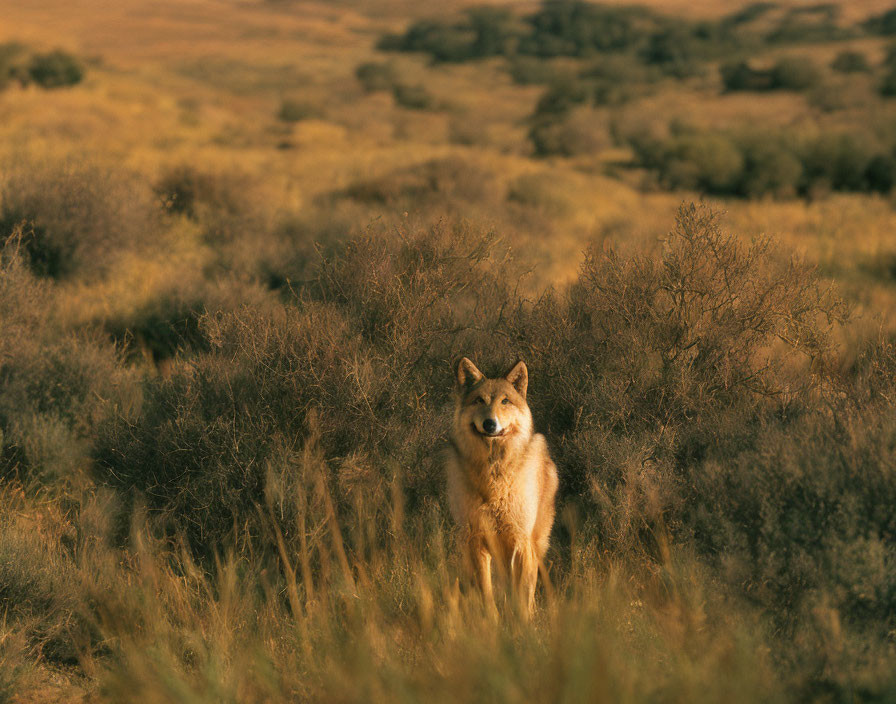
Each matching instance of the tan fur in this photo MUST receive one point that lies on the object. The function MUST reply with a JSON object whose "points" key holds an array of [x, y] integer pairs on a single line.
{"points": [[502, 488]]}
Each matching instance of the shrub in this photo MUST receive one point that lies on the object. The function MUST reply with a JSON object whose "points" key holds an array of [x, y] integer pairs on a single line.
{"points": [[39, 583], [736, 163], [613, 80], [392, 42], [464, 129], [292, 110], [23, 297], [13, 64], [889, 60], [648, 150], [185, 190], [75, 217], [167, 324], [575, 134], [415, 97], [530, 71], [567, 28], [55, 70], [752, 164], [666, 346], [561, 96], [443, 42], [380, 319], [795, 73], [790, 73], [887, 86], [851, 61], [835, 550], [676, 50], [160, 328], [811, 23], [884, 23], [837, 161], [376, 76], [739, 75], [496, 30], [880, 174], [484, 31], [451, 179], [842, 92], [299, 240], [376, 326], [541, 191], [749, 13], [707, 162], [54, 385], [770, 166], [15, 662], [577, 28], [225, 205]]}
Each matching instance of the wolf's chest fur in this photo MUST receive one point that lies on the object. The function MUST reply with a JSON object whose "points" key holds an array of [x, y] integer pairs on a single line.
{"points": [[501, 482]]}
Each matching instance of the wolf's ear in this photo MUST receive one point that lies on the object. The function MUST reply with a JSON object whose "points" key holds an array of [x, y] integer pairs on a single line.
{"points": [[467, 373], [519, 377]]}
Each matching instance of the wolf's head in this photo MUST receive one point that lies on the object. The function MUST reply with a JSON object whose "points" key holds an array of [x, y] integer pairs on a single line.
{"points": [[492, 409]]}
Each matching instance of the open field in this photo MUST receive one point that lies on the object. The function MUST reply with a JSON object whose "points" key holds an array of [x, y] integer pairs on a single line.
{"points": [[239, 253]]}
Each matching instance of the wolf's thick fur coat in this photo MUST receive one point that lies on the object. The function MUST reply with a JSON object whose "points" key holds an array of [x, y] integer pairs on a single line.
{"points": [[501, 481]]}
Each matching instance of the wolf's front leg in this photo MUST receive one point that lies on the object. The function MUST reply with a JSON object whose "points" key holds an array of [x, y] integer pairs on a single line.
{"points": [[524, 566], [481, 563]]}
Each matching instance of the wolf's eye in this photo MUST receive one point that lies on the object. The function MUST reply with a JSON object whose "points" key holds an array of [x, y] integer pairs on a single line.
{"points": [[479, 399], [505, 401]]}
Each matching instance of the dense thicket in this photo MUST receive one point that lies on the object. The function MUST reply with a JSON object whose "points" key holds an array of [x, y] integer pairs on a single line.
{"points": [[690, 393], [692, 399], [54, 69], [581, 29], [780, 163], [624, 53]]}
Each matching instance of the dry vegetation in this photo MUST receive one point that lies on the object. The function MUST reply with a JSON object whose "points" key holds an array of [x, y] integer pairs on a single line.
{"points": [[240, 251]]}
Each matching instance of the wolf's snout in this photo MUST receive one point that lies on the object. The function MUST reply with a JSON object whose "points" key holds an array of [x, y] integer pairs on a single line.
{"points": [[489, 425]]}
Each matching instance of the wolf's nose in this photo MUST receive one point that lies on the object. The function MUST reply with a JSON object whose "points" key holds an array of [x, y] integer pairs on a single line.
{"points": [[489, 425]]}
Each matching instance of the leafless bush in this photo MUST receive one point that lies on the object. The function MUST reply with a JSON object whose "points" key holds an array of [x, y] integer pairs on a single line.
{"points": [[75, 218], [364, 348], [452, 179], [54, 384]]}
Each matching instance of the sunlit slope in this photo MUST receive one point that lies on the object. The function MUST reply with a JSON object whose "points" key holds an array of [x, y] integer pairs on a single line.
{"points": [[202, 83]]}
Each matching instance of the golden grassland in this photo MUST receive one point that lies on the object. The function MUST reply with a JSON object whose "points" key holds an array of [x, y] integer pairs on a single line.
{"points": [[381, 616], [201, 82]]}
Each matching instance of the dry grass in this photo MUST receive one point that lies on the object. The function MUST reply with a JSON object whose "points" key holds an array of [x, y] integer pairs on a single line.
{"points": [[153, 108]]}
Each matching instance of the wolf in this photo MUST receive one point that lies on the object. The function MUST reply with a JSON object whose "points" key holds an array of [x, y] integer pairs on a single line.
{"points": [[501, 482]]}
